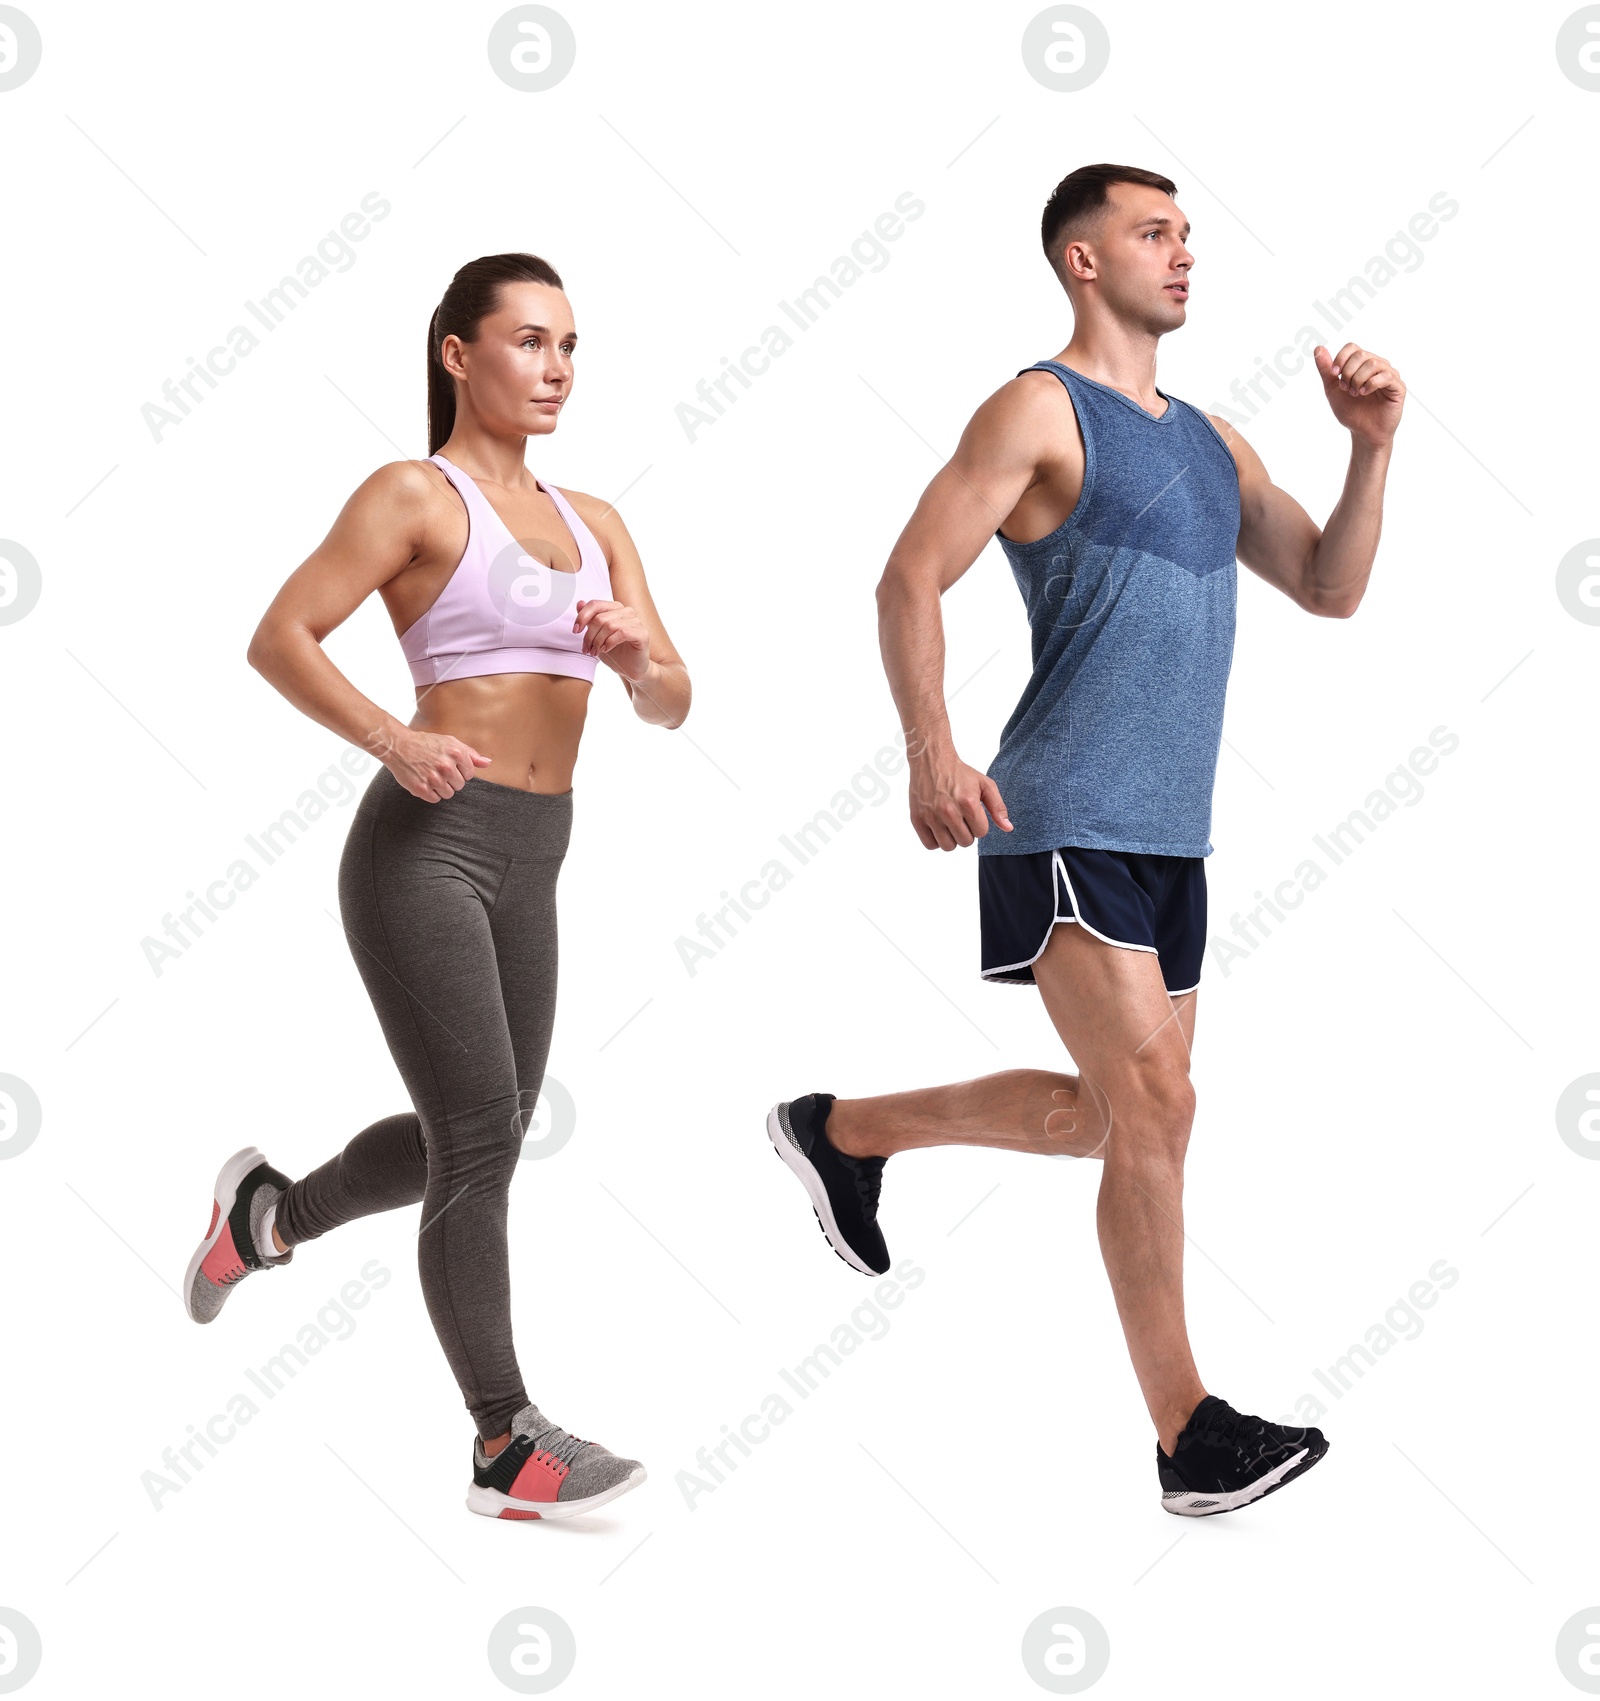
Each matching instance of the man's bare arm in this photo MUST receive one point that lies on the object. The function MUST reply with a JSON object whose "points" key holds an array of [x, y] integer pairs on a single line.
{"points": [[994, 463], [1325, 570]]}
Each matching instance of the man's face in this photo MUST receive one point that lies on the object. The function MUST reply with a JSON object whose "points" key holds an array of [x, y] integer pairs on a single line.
{"points": [[1137, 256]]}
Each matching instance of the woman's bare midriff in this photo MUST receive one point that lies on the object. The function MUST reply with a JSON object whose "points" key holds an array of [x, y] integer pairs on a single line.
{"points": [[528, 723]]}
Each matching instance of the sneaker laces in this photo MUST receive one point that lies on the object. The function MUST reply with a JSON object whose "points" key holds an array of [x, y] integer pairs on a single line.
{"points": [[867, 1173], [869, 1183], [1230, 1427], [553, 1439], [1243, 1432]]}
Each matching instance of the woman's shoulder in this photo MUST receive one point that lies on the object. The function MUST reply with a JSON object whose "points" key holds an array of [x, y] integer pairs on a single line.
{"points": [[406, 478], [591, 507], [401, 490], [599, 515]]}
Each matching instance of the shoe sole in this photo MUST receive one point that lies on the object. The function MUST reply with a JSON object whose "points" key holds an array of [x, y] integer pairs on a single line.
{"points": [[1187, 1503], [227, 1190], [491, 1503], [806, 1171]]}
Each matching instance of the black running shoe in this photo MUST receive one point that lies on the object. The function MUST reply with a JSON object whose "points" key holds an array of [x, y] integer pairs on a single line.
{"points": [[843, 1190], [1225, 1459]]}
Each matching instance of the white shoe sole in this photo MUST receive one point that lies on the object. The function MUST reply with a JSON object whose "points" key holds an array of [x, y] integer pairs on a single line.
{"points": [[490, 1502], [1192, 1504], [815, 1191], [227, 1190]]}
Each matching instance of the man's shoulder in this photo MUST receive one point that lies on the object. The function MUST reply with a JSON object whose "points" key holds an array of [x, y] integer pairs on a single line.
{"points": [[1217, 425], [1031, 406]]}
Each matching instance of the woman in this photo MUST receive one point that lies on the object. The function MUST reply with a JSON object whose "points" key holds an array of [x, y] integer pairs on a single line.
{"points": [[506, 595]]}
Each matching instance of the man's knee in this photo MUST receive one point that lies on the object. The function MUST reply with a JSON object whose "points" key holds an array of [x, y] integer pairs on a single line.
{"points": [[1152, 1107]]}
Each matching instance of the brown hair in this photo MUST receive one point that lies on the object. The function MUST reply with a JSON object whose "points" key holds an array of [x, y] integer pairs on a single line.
{"points": [[1083, 192], [474, 293]]}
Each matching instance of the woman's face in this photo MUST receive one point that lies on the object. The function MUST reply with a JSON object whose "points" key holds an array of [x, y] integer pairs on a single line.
{"points": [[518, 371]]}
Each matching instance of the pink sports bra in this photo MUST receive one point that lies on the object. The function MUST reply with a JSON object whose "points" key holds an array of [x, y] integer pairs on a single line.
{"points": [[502, 611]]}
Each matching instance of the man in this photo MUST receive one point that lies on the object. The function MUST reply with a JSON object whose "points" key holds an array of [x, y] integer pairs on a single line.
{"points": [[1122, 511]]}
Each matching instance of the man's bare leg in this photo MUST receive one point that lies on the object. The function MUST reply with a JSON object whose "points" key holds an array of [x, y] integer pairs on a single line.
{"points": [[1132, 1104], [1022, 1110], [1132, 1048]]}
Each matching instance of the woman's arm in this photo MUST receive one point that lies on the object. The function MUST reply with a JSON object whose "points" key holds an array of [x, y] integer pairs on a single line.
{"points": [[626, 633], [378, 533]]}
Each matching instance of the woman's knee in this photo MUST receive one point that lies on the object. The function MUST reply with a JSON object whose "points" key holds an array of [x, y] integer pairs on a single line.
{"points": [[481, 1144], [508, 1126]]}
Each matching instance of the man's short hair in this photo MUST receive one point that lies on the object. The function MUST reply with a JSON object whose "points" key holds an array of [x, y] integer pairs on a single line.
{"points": [[1079, 196]]}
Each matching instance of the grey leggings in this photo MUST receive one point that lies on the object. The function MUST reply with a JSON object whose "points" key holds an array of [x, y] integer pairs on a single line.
{"points": [[450, 911]]}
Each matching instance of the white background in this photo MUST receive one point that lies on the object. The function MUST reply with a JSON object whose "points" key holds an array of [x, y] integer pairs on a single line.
{"points": [[1377, 1082]]}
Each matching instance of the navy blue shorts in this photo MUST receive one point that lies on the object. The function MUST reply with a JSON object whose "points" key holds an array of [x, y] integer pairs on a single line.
{"points": [[1146, 903]]}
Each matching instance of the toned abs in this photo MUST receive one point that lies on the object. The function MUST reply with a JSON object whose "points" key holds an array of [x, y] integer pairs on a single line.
{"points": [[530, 724]]}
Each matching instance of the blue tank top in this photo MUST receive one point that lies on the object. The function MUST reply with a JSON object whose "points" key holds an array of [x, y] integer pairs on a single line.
{"points": [[1131, 606]]}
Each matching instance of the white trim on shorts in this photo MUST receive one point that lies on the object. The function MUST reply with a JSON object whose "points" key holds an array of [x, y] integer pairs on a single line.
{"points": [[1058, 866]]}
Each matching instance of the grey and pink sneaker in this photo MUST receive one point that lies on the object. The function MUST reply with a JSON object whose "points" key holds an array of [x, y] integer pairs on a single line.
{"points": [[246, 1186], [543, 1472]]}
